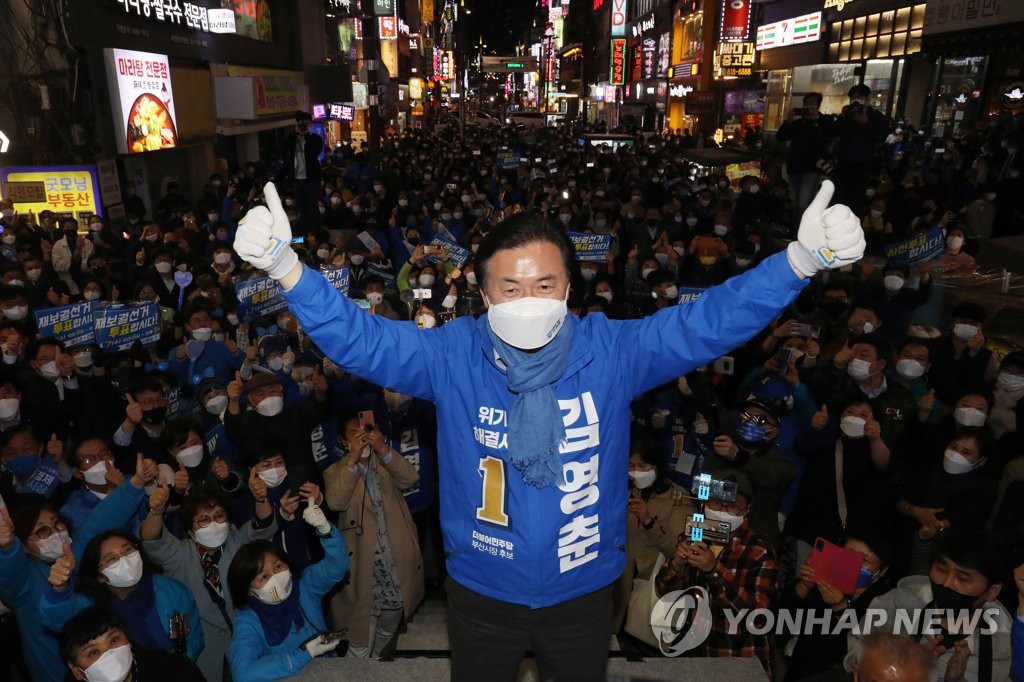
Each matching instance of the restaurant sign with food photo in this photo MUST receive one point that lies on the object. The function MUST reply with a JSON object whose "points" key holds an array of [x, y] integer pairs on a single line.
{"points": [[141, 95]]}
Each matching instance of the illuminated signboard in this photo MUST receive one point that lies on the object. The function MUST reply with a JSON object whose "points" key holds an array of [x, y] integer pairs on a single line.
{"points": [[620, 10], [347, 113], [388, 28], [802, 29], [319, 111], [141, 95], [68, 190], [684, 70], [736, 59], [335, 111], [679, 90], [736, 18], [617, 76], [383, 7]]}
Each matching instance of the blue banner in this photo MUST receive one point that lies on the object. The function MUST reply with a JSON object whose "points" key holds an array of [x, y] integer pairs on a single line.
{"points": [[917, 249], [456, 254], [118, 326], [508, 160], [690, 294], [338, 277], [258, 297], [72, 324], [386, 274], [591, 248]]}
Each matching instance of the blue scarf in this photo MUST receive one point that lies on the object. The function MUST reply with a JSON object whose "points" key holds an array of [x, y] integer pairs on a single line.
{"points": [[535, 428], [141, 618], [277, 619]]}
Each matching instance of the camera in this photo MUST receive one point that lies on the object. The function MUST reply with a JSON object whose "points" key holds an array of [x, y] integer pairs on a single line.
{"points": [[724, 491], [711, 532], [856, 108]]}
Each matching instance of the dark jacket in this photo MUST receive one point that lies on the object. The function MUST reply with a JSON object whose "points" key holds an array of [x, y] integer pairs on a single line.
{"points": [[314, 145], [808, 140]]}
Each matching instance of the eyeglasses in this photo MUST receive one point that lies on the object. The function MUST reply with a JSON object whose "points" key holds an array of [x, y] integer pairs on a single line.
{"points": [[44, 532], [86, 461], [760, 421], [205, 520], [734, 509], [127, 549]]}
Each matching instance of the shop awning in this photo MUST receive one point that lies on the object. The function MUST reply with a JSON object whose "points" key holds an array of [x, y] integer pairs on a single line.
{"points": [[254, 126]]}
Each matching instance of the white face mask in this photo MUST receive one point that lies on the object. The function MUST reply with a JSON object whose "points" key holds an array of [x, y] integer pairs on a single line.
{"points": [[427, 281], [214, 535], [721, 230], [969, 416], [375, 297], [606, 295], [127, 572], [96, 474], [893, 282], [426, 321], [202, 333], [742, 262], [858, 369], [852, 427], [9, 407], [357, 258], [275, 364], [645, 273], [49, 370], [471, 278], [34, 274], [449, 301], [163, 267], [643, 479], [876, 214], [52, 548], [217, 404], [964, 332], [588, 273], [112, 666], [528, 323], [671, 292], [276, 589], [954, 242], [1010, 382], [9, 239], [274, 477], [190, 456], [733, 520], [909, 369], [91, 295], [271, 406], [955, 463], [222, 258], [17, 313], [322, 254]]}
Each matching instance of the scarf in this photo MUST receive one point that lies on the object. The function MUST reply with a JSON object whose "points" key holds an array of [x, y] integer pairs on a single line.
{"points": [[535, 428], [141, 618], [277, 619]]}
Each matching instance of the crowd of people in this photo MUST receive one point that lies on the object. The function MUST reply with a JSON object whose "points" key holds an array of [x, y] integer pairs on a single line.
{"points": [[229, 503]]}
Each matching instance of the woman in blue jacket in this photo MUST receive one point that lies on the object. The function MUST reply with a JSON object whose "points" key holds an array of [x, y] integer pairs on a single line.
{"points": [[159, 612], [279, 620], [31, 542]]}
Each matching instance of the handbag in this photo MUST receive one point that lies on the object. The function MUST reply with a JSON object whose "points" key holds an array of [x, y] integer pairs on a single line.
{"points": [[641, 604]]}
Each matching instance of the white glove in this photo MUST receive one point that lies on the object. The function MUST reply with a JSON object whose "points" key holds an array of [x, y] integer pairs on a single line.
{"points": [[321, 645], [829, 238], [314, 516], [264, 237], [700, 425]]}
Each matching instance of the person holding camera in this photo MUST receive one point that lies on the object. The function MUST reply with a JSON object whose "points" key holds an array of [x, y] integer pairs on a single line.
{"points": [[860, 129], [302, 167], [809, 134]]}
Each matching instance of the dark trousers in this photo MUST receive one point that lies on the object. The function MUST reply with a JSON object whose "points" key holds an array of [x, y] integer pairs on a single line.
{"points": [[852, 185], [489, 637], [306, 193]]}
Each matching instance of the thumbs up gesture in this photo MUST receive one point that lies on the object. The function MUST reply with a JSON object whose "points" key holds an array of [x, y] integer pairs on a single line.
{"points": [[6, 529], [220, 469], [62, 570], [820, 418], [134, 411], [181, 481], [829, 237], [158, 500], [319, 381], [314, 516], [927, 403], [55, 448], [264, 237], [234, 388]]}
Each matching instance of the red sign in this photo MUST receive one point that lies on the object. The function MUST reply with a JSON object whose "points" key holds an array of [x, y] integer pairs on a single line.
{"points": [[736, 16], [618, 70], [388, 28], [753, 120]]}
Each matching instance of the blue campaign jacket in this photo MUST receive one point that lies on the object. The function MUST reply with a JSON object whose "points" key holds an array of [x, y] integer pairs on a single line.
{"points": [[251, 658], [504, 538]]}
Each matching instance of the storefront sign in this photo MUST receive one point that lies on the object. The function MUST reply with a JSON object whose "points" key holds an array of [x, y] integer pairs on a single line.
{"points": [[736, 59], [319, 111], [383, 7], [647, 63], [620, 9], [109, 182], [700, 103], [684, 70], [141, 96], [611, 93], [187, 14], [839, 5], [71, 190], [617, 76], [387, 28], [802, 29], [416, 88], [1013, 96], [221, 20], [642, 26], [736, 20], [277, 92], [941, 16], [679, 90]]}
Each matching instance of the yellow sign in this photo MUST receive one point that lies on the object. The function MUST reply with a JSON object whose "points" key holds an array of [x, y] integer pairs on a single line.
{"points": [[415, 88], [65, 189], [840, 5], [277, 91]]}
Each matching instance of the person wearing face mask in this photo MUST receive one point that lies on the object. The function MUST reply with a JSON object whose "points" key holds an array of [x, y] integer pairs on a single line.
{"points": [[161, 277], [93, 466], [301, 154], [844, 483], [860, 129], [113, 572], [808, 137], [955, 261], [960, 358], [33, 468], [900, 301], [964, 576], [193, 468], [979, 215], [279, 622], [373, 290], [742, 574], [33, 539], [751, 204], [95, 647], [708, 264], [751, 450], [913, 362], [200, 561], [267, 417], [524, 355], [819, 651], [664, 292], [144, 421], [211, 394], [198, 356], [658, 508], [864, 318], [386, 581]]}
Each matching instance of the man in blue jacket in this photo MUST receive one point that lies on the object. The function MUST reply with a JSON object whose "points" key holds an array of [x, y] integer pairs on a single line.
{"points": [[533, 415]]}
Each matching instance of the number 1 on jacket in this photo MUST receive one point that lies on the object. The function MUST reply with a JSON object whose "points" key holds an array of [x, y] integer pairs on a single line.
{"points": [[494, 494]]}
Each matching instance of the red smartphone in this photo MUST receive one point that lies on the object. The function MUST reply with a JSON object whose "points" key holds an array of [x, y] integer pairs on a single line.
{"points": [[835, 565], [366, 420]]}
